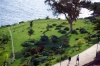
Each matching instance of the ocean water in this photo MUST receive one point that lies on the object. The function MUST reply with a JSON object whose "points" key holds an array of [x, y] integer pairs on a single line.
{"points": [[14, 11]]}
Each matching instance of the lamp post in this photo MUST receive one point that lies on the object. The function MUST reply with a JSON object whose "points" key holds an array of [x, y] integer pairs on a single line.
{"points": [[60, 46]]}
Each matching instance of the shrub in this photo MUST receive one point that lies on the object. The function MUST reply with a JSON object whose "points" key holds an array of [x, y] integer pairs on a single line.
{"points": [[44, 53], [33, 50], [93, 36], [43, 58], [32, 40], [38, 43], [60, 51], [51, 51], [66, 45], [64, 23], [62, 31], [27, 54], [44, 38], [36, 61], [47, 17], [4, 38], [66, 28], [76, 39], [58, 59], [77, 28], [54, 39], [21, 22], [37, 55], [54, 24], [58, 18], [27, 44], [74, 32], [30, 32], [48, 64], [26, 49], [82, 30], [57, 28], [50, 26], [54, 48], [18, 55], [42, 47], [64, 57], [7, 25]]}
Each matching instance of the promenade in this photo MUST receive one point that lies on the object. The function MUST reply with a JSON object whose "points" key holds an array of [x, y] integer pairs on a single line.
{"points": [[84, 57]]}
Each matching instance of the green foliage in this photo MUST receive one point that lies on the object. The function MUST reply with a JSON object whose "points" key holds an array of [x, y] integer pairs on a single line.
{"points": [[54, 48], [21, 22], [30, 32], [82, 30], [97, 24], [27, 44], [62, 31], [47, 17], [57, 28], [4, 38], [20, 37], [60, 25], [54, 39], [54, 24], [31, 24], [44, 38], [66, 28], [74, 32], [45, 53]]}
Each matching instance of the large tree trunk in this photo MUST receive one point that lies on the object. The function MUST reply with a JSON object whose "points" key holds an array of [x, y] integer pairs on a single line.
{"points": [[70, 22], [71, 28]]}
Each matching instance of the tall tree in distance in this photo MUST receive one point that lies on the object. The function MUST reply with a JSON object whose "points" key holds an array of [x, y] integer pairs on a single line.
{"points": [[70, 9], [31, 24], [30, 31]]}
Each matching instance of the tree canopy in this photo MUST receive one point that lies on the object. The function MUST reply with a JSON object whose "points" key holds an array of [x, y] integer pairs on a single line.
{"points": [[95, 7], [70, 8]]}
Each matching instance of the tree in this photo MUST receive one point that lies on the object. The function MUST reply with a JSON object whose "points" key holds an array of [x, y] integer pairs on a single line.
{"points": [[97, 24], [70, 8], [31, 24], [95, 7], [4, 39], [97, 27], [30, 32]]}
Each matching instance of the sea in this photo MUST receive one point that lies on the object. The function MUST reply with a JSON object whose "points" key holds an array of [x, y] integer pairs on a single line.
{"points": [[15, 11]]}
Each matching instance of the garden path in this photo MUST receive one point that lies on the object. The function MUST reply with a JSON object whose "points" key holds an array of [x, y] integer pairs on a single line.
{"points": [[84, 57]]}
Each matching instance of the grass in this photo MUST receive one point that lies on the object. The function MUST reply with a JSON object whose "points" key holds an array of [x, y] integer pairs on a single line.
{"points": [[20, 35]]}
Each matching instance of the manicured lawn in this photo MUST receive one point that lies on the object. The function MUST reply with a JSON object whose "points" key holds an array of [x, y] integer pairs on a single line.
{"points": [[20, 35]]}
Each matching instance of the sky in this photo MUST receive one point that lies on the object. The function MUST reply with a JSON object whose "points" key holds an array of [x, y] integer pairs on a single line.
{"points": [[14, 11]]}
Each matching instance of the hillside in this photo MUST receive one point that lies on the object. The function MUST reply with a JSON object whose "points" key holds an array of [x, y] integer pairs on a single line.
{"points": [[72, 44]]}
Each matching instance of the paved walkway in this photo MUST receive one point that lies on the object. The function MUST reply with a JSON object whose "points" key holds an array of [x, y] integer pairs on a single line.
{"points": [[85, 57]]}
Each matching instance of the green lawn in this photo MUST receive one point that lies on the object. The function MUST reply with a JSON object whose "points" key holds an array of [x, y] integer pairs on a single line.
{"points": [[20, 35]]}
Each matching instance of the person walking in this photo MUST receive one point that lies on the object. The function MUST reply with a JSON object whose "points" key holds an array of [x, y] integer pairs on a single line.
{"points": [[69, 59], [77, 60]]}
